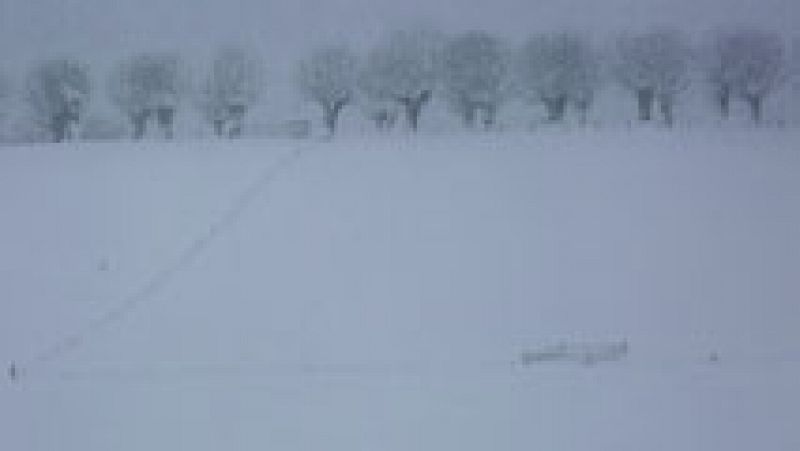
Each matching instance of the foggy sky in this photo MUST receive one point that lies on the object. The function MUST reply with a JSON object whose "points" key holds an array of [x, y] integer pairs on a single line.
{"points": [[110, 29]]}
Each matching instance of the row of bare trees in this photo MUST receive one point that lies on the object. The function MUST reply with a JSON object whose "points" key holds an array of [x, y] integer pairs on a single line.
{"points": [[150, 86], [147, 89], [476, 72]]}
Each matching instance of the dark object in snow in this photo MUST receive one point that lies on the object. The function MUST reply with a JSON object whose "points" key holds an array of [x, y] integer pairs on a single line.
{"points": [[12, 372], [585, 353], [713, 357]]}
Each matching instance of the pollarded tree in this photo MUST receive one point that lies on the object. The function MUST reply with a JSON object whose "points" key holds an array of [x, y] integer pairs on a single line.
{"points": [[130, 96], [404, 68], [747, 63], [558, 70], [655, 66], [722, 58], [328, 78], [233, 85], [57, 91], [475, 76], [148, 86]]}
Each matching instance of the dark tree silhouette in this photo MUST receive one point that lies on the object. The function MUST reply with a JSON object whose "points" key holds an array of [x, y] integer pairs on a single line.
{"points": [[475, 76], [745, 63], [404, 68], [655, 66], [328, 77], [57, 91], [147, 87], [557, 70], [232, 86]]}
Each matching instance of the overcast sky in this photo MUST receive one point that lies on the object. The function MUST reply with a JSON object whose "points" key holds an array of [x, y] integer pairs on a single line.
{"points": [[105, 27], [103, 31]]}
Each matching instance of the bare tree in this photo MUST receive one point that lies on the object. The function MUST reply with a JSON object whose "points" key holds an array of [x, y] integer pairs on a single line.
{"points": [[57, 91], [328, 77], [233, 85], [722, 59], [746, 63], [148, 86], [559, 69], [404, 68], [475, 76], [655, 66]]}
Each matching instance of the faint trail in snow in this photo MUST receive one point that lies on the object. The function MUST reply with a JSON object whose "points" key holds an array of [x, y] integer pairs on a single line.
{"points": [[235, 373], [163, 277]]}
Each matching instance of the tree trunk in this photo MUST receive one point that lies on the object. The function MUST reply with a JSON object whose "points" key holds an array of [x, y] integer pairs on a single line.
{"points": [[469, 116], [166, 119], [219, 127], [413, 107], [490, 111], [666, 111], [380, 119], [139, 122], [58, 131], [331, 114], [725, 102], [583, 112], [236, 114], [329, 119], [555, 108], [412, 114], [645, 98], [755, 103], [58, 128], [391, 118], [235, 131]]}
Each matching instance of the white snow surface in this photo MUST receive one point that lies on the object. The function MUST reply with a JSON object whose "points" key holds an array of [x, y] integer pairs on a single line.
{"points": [[376, 294]]}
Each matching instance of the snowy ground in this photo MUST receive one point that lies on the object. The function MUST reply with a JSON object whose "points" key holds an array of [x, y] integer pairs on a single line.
{"points": [[377, 293]]}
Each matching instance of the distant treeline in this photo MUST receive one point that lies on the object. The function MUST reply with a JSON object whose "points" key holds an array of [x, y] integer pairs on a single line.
{"points": [[474, 72]]}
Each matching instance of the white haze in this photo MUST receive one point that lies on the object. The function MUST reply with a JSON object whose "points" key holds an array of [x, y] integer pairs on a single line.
{"points": [[101, 30]]}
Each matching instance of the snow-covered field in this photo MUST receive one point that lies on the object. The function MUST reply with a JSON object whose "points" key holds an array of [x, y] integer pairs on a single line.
{"points": [[376, 293]]}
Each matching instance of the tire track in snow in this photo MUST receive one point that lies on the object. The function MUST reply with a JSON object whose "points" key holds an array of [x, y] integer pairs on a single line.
{"points": [[162, 278]]}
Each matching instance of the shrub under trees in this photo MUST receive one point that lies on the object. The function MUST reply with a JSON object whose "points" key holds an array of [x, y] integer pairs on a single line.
{"points": [[383, 113]]}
